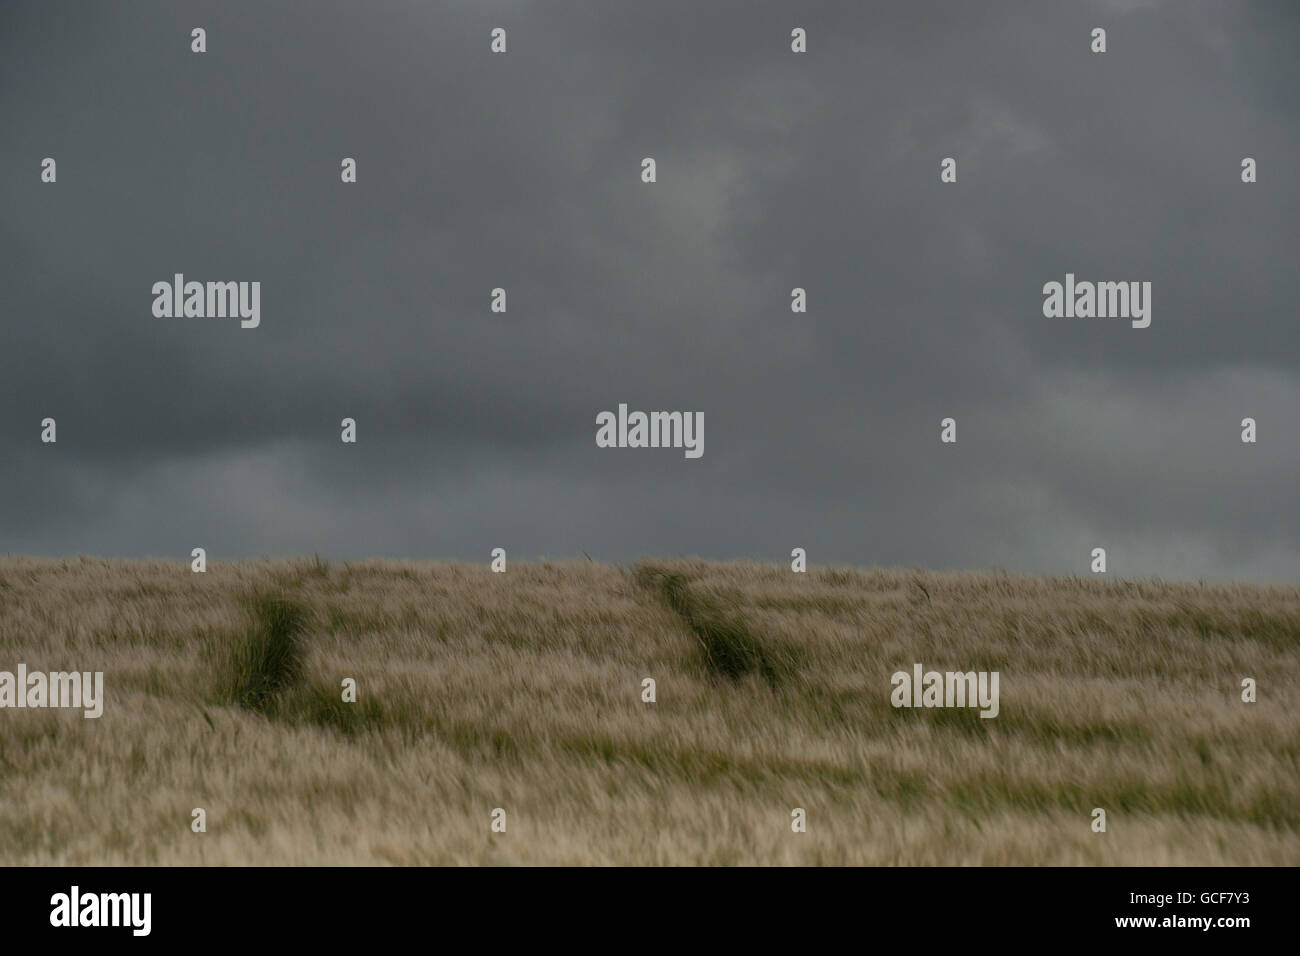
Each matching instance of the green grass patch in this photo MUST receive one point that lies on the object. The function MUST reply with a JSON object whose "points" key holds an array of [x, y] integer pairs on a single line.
{"points": [[266, 660], [730, 649]]}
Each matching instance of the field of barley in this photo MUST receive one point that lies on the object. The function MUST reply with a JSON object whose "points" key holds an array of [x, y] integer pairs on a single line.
{"points": [[523, 691]]}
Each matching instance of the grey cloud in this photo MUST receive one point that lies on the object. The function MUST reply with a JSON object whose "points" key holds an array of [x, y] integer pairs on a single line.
{"points": [[477, 430]]}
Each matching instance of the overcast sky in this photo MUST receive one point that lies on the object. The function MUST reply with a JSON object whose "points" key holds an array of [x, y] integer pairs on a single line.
{"points": [[477, 430]]}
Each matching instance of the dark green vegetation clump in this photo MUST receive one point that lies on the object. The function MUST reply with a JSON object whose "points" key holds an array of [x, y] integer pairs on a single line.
{"points": [[730, 648], [266, 660]]}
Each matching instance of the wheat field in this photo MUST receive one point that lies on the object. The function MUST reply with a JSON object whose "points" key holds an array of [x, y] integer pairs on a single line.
{"points": [[523, 691]]}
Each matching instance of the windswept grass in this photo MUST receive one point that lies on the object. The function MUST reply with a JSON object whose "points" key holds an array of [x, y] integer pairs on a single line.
{"points": [[524, 690], [265, 660], [728, 645]]}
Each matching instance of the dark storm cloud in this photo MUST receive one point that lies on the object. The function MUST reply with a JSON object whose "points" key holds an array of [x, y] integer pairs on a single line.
{"points": [[475, 171]]}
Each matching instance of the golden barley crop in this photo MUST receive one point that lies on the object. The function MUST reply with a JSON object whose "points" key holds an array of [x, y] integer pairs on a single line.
{"points": [[523, 691]]}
